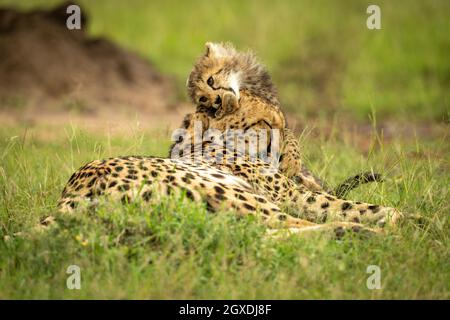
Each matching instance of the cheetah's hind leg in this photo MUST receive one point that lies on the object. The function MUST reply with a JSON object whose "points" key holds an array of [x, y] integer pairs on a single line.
{"points": [[334, 229]]}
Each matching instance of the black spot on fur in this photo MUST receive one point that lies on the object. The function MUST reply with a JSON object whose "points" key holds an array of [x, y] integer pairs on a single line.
{"points": [[220, 196], [189, 195], [123, 187], [91, 183], [219, 189], [147, 195], [346, 206], [189, 175], [73, 204], [339, 232], [112, 184], [125, 199], [185, 180], [249, 207], [311, 200], [240, 197]]}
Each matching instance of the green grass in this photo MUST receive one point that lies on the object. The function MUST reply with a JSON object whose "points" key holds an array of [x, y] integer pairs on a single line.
{"points": [[320, 53], [175, 249], [327, 65]]}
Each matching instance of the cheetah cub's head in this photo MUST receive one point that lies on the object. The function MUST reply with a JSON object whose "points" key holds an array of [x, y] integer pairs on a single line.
{"points": [[222, 72]]}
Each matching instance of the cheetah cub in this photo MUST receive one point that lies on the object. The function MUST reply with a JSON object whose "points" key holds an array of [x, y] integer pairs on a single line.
{"points": [[233, 90]]}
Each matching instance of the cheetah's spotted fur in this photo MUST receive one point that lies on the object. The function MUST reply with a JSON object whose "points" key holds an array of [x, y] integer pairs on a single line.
{"points": [[247, 186]]}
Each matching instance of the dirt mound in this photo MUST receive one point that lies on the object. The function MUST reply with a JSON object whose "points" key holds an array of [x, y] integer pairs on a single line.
{"points": [[44, 66]]}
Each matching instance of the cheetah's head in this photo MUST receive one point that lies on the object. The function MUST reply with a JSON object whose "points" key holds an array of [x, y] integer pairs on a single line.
{"points": [[222, 69]]}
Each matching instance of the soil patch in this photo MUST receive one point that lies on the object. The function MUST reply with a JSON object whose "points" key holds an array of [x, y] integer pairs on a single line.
{"points": [[47, 68]]}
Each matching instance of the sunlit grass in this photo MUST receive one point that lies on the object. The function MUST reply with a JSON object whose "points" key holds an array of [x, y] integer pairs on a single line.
{"points": [[175, 249], [324, 61]]}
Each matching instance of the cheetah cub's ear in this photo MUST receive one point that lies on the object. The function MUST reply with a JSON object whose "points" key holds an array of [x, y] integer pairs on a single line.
{"points": [[216, 50]]}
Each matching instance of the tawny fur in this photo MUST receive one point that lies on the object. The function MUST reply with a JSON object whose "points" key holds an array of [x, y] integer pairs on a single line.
{"points": [[236, 182], [233, 90]]}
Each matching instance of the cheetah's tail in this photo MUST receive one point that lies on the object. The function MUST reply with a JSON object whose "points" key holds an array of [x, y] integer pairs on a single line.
{"points": [[351, 183]]}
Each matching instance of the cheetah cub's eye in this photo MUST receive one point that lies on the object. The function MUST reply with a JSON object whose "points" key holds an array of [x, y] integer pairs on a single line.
{"points": [[210, 81]]}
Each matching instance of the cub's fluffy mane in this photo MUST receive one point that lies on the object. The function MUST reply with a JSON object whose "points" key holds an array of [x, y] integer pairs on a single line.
{"points": [[245, 67]]}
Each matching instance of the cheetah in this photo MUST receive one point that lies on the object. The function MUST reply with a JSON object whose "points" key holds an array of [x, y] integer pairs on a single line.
{"points": [[238, 182], [233, 90], [246, 187]]}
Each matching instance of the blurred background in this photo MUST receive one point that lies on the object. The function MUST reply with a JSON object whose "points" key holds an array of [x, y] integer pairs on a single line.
{"points": [[130, 60]]}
